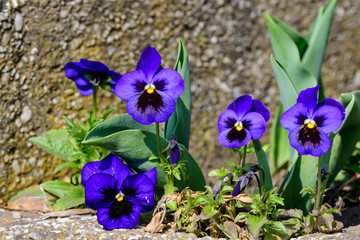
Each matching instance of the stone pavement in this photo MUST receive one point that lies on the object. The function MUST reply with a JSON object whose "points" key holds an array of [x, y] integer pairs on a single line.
{"points": [[27, 225]]}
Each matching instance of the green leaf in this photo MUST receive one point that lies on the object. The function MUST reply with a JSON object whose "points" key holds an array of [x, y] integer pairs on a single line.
{"points": [[300, 41], [208, 212], [72, 198], [117, 124], [286, 87], [288, 56], [218, 172], [106, 113], [58, 188], [35, 191], [56, 142], [255, 223], [280, 152], [137, 146], [180, 120], [241, 215], [317, 39], [263, 162], [348, 134], [67, 165], [275, 230]]}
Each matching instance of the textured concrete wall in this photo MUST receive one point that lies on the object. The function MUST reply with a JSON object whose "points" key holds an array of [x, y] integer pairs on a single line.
{"points": [[229, 52]]}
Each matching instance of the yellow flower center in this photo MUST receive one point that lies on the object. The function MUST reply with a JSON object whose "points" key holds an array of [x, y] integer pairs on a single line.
{"points": [[310, 123], [238, 126], [150, 88], [119, 197]]}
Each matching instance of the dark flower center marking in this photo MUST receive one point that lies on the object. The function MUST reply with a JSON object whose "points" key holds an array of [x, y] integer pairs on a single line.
{"points": [[150, 98], [120, 208], [237, 132], [98, 78], [309, 132], [130, 191], [109, 193], [139, 86]]}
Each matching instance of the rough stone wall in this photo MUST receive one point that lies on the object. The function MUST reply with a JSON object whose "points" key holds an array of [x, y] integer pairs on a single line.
{"points": [[229, 52]]}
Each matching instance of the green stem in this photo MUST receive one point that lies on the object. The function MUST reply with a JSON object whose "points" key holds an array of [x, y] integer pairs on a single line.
{"points": [[244, 157], [258, 182], [318, 191], [168, 182], [94, 113]]}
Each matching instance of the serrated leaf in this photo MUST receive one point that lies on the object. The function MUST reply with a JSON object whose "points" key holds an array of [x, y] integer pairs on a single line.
{"points": [[180, 120], [218, 172], [58, 188], [208, 212], [67, 165], [71, 199], [56, 142], [276, 230], [255, 223]]}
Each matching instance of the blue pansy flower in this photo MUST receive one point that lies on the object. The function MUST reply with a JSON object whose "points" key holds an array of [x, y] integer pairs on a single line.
{"points": [[118, 195], [243, 182], [309, 122], [150, 91], [87, 74], [243, 120], [174, 150]]}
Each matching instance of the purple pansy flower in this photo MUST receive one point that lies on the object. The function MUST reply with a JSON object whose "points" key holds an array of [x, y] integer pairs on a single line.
{"points": [[309, 122], [150, 91], [243, 120], [243, 182], [174, 150], [87, 74], [118, 195]]}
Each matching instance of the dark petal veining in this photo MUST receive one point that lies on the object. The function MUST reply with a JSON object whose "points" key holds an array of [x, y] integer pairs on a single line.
{"points": [[150, 100]]}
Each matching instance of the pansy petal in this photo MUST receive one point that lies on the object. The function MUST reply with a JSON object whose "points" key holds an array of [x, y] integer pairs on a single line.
{"points": [[224, 140], [110, 219], [259, 107], [307, 148], [150, 114], [169, 81], [130, 84], [309, 97], [332, 102], [142, 188], [149, 63], [255, 123], [100, 191], [241, 105], [111, 165], [75, 69], [94, 65], [85, 90], [227, 119], [151, 174], [328, 118], [115, 76], [294, 116]]}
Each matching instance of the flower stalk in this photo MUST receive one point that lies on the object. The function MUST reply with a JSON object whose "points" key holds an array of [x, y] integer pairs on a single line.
{"points": [[318, 191], [169, 188], [94, 113]]}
